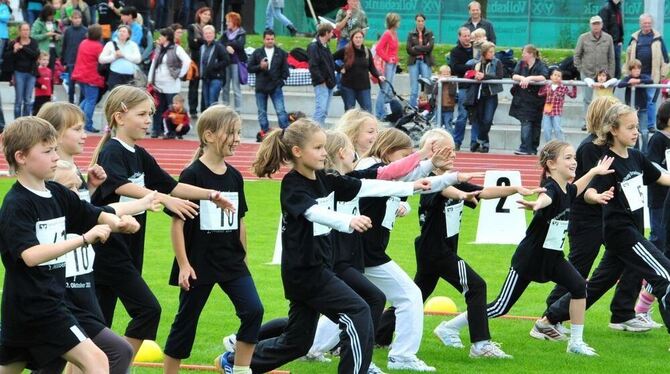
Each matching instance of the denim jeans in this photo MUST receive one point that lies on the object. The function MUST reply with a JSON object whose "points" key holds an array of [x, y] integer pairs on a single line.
{"points": [[187, 12], [322, 94], [461, 120], [530, 131], [617, 60], [551, 125], [486, 108], [161, 14], [652, 95], [643, 139], [24, 88], [447, 117], [657, 233], [277, 97], [416, 70], [271, 13], [385, 96], [211, 89], [350, 97], [87, 105], [232, 79], [164, 102]]}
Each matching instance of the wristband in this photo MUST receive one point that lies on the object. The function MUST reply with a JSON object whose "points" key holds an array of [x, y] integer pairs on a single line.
{"points": [[83, 238]]}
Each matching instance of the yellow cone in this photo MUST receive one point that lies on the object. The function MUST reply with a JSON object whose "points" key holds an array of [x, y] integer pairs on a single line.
{"points": [[440, 304], [149, 352]]}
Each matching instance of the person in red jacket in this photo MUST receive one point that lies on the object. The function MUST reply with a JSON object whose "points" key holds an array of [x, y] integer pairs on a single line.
{"points": [[387, 51], [86, 73], [44, 83]]}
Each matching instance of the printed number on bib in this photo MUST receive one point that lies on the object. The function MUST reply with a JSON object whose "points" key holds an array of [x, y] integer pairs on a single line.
{"points": [[79, 261], [556, 235], [632, 189], [213, 218], [349, 207], [50, 232], [392, 205], [452, 216], [137, 180], [324, 202]]}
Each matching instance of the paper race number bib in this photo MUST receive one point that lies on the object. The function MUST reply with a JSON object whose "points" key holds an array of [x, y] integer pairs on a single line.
{"points": [[84, 195], [392, 205], [325, 202], [349, 207], [79, 261], [137, 180], [556, 235], [632, 189], [667, 159], [213, 218], [50, 232], [452, 216]]}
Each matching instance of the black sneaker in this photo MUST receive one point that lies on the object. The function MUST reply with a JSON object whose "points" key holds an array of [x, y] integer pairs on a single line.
{"points": [[484, 149], [521, 153], [180, 137], [474, 147], [154, 136], [92, 130], [260, 136], [292, 30], [584, 128], [652, 130], [337, 92], [457, 147]]}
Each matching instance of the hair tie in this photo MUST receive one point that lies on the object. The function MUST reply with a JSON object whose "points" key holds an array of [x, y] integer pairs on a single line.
{"points": [[124, 107], [281, 136], [107, 129]]}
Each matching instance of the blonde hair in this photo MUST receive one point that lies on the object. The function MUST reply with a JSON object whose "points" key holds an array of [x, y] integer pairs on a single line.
{"points": [[634, 63], [596, 111], [120, 100], [486, 46], [392, 20], [611, 121], [335, 141], [352, 121], [445, 67], [276, 148], [43, 54], [389, 141], [435, 134], [61, 115], [22, 135], [478, 33], [550, 152], [214, 119]]}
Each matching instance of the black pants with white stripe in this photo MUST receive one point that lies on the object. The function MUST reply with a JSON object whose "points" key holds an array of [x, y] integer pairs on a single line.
{"points": [[343, 306], [585, 242], [515, 284], [643, 258], [459, 274]]}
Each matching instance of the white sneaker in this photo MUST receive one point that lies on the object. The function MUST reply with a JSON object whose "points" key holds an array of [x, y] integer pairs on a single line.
{"points": [[488, 350], [315, 357], [632, 325], [229, 342], [374, 369], [581, 348], [548, 332], [408, 363], [449, 337], [646, 317]]}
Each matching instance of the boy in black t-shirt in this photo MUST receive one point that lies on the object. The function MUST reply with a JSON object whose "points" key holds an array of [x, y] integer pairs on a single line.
{"points": [[36, 215]]}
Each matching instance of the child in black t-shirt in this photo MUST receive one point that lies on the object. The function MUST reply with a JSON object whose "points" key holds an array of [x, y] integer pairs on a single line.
{"points": [[210, 249], [35, 219], [539, 256], [133, 173], [623, 221]]}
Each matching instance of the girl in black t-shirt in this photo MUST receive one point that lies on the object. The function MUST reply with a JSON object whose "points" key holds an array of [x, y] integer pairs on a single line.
{"points": [[539, 256], [133, 173], [623, 221], [210, 249]]}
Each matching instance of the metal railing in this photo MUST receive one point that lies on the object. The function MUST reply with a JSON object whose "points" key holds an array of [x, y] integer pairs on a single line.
{"points": [[509, 81]]}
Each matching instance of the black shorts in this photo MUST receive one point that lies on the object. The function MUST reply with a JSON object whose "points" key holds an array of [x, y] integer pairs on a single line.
{"points": [[44, 344]]}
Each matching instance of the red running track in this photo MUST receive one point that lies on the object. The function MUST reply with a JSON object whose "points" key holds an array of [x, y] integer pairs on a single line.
{"points": [[174, 155]]}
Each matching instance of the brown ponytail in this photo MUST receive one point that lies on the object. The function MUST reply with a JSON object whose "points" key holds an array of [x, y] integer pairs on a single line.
{"points": [[276, 148]]}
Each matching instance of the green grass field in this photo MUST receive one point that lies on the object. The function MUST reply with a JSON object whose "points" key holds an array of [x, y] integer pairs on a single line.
{"points": [[620, 352]]}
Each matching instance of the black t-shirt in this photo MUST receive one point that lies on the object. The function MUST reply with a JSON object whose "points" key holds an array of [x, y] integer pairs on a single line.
{"points": [[382, 212], [658, 143], [348, 248], [307, 247], [536, 255], [588, 155], [33, 297], [106, 15], [212, 238], [124, 164], [623, 220], [440, 221]]}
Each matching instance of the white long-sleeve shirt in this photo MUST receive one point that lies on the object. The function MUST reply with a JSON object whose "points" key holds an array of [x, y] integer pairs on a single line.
{"points": [[121, 65], [164, 81]]}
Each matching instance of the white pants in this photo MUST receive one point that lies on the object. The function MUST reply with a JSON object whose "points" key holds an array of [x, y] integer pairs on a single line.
{"points": [[405, 296], [327, 336]]}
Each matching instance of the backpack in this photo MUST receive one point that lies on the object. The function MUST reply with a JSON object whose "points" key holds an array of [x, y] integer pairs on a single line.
{"points": [[299, 54]]}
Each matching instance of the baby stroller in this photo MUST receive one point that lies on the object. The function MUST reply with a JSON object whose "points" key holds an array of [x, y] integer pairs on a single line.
{"points": [[407, 118]]}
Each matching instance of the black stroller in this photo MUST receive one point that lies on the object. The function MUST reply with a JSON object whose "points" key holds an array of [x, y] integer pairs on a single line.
{"points": [[407, 118]]}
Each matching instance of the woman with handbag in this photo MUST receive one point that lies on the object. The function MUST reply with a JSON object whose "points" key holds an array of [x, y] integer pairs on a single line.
{"points": [[234, 38], [24, 54], [86, 73], [170, 63], [203, 17], [123, 57], [213, 63]]}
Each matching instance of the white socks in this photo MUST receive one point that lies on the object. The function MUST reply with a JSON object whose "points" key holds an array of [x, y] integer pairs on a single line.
{"points": [[458, 322], [576, 333], [241, 370], [480, 344]]}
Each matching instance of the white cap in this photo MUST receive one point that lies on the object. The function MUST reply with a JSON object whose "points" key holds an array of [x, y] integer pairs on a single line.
{"points": [[596, 19]]}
